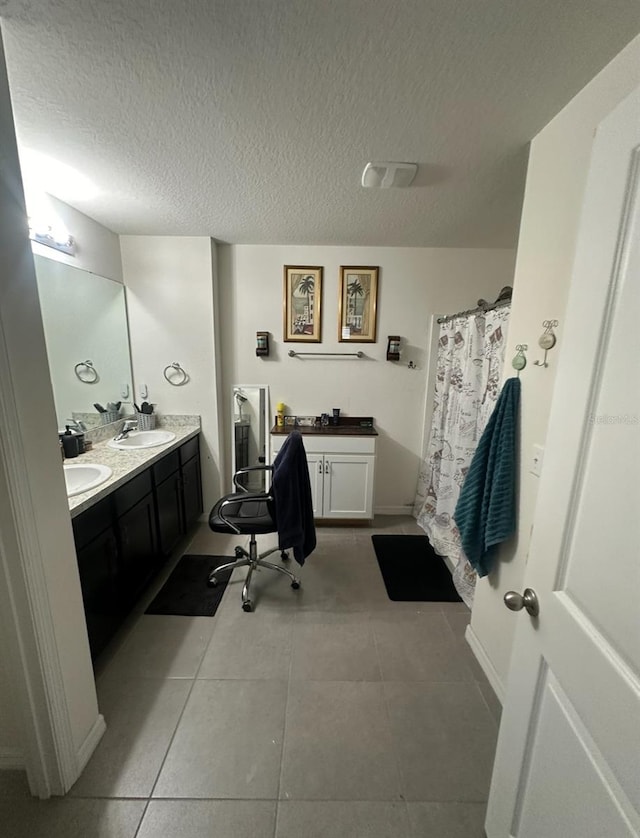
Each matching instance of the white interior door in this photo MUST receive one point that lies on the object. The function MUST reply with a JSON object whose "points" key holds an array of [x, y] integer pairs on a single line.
{"points": [[568, 758]]}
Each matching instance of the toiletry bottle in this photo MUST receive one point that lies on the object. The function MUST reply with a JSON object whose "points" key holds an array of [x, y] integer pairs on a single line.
{"points": [[280, 414], [69, 443]]}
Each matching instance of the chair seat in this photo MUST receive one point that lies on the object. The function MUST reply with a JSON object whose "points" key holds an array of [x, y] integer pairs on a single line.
{"points": [[249, 516]]}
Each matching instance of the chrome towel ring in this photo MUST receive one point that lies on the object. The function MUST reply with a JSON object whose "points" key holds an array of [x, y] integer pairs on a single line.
{"points": [[175, 375], [86, 372]]}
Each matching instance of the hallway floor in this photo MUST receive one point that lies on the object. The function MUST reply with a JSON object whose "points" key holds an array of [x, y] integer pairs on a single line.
{"points": [[329, 712]]}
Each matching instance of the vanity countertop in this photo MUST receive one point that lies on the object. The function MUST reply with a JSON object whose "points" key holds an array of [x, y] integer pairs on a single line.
{"points": [[124, 464], [328, 430]]}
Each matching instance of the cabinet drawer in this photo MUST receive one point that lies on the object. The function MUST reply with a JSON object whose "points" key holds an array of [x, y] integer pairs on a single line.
{"points": [[166, 467], [132, 492], [331, 444], [189, 450], [88, 525]]}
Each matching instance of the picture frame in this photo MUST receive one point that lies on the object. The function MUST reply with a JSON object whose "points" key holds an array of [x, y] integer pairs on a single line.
{"points": [[302, 304], [358, 303]]}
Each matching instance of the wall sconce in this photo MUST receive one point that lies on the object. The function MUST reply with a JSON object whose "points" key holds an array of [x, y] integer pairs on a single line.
{"points": [[393, 348], [262, 343]]}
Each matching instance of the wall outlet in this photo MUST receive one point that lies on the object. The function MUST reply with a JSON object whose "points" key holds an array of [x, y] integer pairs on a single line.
{"points": [[535, 465]]}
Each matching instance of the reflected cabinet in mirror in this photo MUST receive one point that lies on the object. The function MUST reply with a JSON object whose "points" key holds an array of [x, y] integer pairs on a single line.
{"points": [[249, 424], [85, 327]]}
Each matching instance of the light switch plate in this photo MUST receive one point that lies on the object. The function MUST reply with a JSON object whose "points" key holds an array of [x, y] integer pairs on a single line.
{"points": [[535, 466]]}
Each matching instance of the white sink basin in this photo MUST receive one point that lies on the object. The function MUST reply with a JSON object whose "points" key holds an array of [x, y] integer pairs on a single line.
{"points": [[83, 477], [142, 439]]}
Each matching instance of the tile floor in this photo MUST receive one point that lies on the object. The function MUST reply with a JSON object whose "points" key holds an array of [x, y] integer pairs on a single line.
{"points": [[329, 712]]}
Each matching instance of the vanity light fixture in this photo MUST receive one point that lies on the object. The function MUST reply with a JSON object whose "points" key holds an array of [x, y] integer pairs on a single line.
{"points": [[53, 235], [393, 348], [262, 343]]}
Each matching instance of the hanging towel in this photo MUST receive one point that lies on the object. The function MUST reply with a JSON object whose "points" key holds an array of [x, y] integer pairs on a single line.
{"points": [[486, 510], [292, 492]]}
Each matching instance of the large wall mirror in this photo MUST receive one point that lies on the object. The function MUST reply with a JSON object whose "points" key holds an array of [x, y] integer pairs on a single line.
{"points": [[249, 424], [85, 319]]}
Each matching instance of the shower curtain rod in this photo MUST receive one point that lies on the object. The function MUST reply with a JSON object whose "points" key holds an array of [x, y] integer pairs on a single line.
{"points": [[482, 306]]}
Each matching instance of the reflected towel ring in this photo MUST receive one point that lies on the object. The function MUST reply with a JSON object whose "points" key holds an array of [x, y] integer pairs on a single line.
{"points": [[178, 371], [84, 369]]}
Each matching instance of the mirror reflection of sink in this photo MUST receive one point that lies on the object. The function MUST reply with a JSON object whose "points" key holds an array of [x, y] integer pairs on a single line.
{"points": [[83, 477], [142, 439]]}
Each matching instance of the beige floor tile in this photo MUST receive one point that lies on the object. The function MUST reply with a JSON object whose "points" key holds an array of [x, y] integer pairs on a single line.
{"points": [[228, 743], [444, 738], [162, 647], [141, 716], [334, 651], [69, 818], [418, 647], [337, 743], [204, 818], [250, 646], [447, 820], [343, 819]]}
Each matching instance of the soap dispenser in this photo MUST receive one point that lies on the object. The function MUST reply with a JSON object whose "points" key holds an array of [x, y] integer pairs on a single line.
{"points": [[69, 443]]}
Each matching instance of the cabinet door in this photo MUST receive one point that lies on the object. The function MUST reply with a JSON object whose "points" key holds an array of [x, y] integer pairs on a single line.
{"points": [[191, 492], [97, 564], [169, 507], [138, 555], [348, 486], [315, 463]]}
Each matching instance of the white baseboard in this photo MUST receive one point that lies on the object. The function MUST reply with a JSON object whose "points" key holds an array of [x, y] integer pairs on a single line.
{"points": [[11, 759], [90, 743], [393, 510], [485, 663]]}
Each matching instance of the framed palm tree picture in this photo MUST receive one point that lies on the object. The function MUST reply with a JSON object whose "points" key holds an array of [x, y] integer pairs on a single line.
{"points": [[358, 304], [302, 299]]}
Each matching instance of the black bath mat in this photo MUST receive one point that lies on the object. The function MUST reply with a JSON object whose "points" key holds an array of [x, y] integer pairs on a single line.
{"points": [[186, 593], [412, 571]]}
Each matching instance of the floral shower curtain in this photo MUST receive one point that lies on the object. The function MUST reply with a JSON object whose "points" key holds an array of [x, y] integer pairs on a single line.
{"points": [[469, 368]]}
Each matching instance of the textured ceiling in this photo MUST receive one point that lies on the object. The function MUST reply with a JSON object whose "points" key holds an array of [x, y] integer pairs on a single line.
{"points": [[251, 120]]}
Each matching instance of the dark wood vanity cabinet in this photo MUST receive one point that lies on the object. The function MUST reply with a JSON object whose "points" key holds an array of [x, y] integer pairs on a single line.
{"points": [[123, 540]]}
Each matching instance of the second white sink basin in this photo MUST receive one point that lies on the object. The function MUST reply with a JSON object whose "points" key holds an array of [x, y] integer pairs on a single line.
{"points": [[142, 439], [83, 477]]}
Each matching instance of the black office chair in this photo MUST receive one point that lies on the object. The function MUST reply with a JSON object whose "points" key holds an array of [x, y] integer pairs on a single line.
{"points": [[248, 513]]}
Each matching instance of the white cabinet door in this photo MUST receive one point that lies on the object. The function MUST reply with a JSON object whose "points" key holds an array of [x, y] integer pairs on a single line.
{"points": [[348, 486], [315, 463]]}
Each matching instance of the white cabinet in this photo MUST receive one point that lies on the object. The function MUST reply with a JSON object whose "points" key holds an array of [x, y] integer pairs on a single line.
{"points": [[341, 472]]}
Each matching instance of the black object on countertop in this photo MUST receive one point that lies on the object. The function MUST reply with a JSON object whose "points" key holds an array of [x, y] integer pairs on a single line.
{"points": [[412, 571], [185, 593]]}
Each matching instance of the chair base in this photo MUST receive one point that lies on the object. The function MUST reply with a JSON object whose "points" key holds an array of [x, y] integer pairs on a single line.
{"points": [[253, 561]]}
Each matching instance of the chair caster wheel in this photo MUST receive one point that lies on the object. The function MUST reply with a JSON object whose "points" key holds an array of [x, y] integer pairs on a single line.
{"points": [[239, 553], [212, 583], [284, 556], [295, 585], [247, 606]]}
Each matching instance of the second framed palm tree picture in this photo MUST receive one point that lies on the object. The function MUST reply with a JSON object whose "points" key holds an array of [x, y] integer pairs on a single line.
{"points": [[358, 304], [302, 298]]}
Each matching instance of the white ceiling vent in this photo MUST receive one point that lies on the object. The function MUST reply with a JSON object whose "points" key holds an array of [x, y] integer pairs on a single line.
{"points": [[388, 174]]}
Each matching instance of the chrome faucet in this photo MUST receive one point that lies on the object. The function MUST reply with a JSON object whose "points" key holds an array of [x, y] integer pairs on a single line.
{"points": [[129, 425]]}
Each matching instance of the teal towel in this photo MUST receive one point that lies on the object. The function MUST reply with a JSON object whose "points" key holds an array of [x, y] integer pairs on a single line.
{"points": [[486, 510]]}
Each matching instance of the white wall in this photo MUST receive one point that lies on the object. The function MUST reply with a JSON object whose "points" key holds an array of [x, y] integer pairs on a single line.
{"points": [[97, 249], [34, 518], [170, 285], [415, 284], [558, 165]]}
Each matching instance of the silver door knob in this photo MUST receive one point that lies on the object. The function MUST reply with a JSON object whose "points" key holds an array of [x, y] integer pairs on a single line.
{"points": [[527, 600]]}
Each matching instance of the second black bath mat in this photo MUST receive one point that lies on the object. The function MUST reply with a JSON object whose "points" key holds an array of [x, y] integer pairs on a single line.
{"points": [[186, 593], [412, 571]]}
